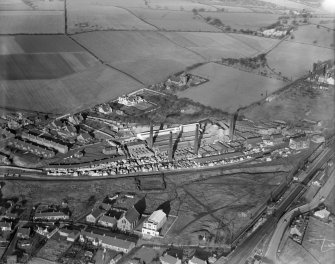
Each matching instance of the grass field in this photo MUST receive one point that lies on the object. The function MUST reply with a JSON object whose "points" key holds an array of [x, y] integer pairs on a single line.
{"points": [[252, 21], [319, 240], [173, 20], [88, 16], [294, 253], [295, 59], [148, 56], [179, 5], [224, 92], [296, 104], [214, 46], [32, 22], [312, 35]]}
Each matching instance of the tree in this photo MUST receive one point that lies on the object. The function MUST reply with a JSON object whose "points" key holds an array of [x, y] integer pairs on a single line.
{"points": [[195, 11]]}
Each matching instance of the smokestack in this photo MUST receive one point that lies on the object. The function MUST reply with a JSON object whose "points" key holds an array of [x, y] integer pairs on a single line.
{"points": [[170, 147], [196, 140], [151, 138], [233, 119]]}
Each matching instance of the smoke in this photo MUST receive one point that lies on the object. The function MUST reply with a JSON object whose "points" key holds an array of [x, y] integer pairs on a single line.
{"points": [[329, 5]]}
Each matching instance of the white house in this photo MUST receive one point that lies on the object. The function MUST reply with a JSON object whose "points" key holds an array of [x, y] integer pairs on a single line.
{"points": [[322, 214], [154, 223]]}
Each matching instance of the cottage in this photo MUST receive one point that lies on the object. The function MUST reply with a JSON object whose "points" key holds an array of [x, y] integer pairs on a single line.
{"points": [[154, 223], [107, 221], [94, 215], [129, 220]]}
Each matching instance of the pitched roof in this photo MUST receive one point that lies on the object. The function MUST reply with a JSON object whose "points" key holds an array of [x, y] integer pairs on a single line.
{"points": [[107, 219], [96, 213], [197, 260], [168, 259], [132, 215]]}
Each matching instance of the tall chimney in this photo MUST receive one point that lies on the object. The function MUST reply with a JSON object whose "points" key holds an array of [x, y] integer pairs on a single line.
{"points": [[232, 125], [196, 139], [151, 138], [170, 147]]}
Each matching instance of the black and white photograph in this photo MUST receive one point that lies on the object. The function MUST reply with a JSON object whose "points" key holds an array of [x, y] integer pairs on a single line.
{"points": [[167, 131]]}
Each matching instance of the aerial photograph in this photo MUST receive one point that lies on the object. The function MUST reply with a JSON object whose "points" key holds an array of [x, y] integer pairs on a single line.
{"points": [[167, 131]]}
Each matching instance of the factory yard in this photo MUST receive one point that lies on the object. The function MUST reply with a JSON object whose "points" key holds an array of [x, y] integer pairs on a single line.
{"points": [[224, 93]]}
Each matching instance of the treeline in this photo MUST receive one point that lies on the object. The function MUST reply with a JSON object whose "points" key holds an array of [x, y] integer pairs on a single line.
{"points": [[253, 63]]}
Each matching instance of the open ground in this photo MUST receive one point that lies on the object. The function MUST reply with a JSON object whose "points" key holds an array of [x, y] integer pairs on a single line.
{"points": [[223, 92]]}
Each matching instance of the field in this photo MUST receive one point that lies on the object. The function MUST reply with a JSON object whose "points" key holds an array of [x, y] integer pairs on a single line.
{"points": [[173, 20], [293, 253], [33, 66], [296, 104], [319, 240], [148, 56], [312, 35], [252, 21], [199, 205], [32, 22], [179, 5], [69, 94], [75, 75], [295, 59], [224, 92], [88, 16], [214, 46]]}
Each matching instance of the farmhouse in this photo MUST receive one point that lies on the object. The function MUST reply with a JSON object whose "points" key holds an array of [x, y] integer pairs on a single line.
{"points": [[154, 223], [128, 220]]}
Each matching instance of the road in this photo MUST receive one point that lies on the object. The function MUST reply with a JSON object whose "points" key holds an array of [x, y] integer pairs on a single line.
{"points": [[242, 252], [271, 253]]}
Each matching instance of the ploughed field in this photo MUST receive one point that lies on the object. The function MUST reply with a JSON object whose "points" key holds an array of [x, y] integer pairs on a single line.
{"points": [[53, 74]]}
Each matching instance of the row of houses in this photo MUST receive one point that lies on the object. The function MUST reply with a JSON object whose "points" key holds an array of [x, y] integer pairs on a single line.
{"points": [[26, 146], [45, 142]]}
